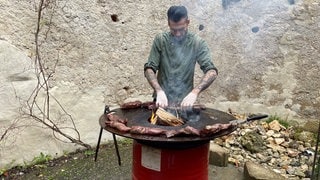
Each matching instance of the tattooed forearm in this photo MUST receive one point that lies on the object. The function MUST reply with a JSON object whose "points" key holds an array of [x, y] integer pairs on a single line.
{"points": [[152, 79], [206, 81]]}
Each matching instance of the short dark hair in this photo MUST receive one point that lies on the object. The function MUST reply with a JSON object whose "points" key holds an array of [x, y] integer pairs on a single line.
{"points": [[176, 13]]}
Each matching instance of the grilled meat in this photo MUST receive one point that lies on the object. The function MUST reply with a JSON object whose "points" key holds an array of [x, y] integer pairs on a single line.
{"points": [[188, 130], [146, 130], [117, 125], [215, 128], [131, 105], [115, 118]]}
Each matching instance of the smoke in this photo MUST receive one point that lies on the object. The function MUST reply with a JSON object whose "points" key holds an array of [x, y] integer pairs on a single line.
{"points": [[241, 21], [179, 76], [242, 34], [237, 27]]}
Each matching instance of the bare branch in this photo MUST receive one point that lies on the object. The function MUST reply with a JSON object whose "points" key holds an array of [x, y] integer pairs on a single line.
{"points": [[41, 113]]}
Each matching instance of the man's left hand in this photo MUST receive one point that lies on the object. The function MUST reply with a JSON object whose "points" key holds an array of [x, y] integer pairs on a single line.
{"points": [[190, 99]]}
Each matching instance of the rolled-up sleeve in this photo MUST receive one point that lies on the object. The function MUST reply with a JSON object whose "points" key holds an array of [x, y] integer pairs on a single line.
{"points": [[204, 57], [154, 56]]}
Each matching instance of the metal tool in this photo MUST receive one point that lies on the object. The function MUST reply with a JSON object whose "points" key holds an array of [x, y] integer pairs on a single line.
{"points": [[249, 119]]}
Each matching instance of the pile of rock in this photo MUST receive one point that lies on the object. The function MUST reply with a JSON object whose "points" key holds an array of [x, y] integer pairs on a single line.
{"points": [[273, 146]]}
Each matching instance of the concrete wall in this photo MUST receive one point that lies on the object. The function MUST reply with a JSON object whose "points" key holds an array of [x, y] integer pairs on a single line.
{"points": [[267, 53]]}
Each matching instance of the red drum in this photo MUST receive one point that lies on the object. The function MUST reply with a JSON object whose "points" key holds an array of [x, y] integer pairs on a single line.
{"points": [[151, 163]]}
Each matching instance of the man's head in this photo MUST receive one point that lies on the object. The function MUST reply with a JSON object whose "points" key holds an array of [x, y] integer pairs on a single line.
{"points": [[178, 21]]}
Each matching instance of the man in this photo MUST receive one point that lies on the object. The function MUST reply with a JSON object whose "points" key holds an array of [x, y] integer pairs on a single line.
{"points": [[171, 63]]}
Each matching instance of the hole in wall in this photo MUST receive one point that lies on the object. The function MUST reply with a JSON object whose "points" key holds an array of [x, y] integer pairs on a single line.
{"points": [[114, 17], [255, 29], [201, 27]]}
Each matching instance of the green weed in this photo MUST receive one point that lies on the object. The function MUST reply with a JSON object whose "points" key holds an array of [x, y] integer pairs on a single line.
{"points": [[42, 158], [89, 152], [283, 122], [126, 141], [4, 170]]}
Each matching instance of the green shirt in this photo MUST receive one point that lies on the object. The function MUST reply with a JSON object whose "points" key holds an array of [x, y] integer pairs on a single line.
{"points": [[175, 63]]}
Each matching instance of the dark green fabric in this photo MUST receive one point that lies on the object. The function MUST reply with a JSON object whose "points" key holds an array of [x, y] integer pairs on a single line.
{"points": [[175, 63]]}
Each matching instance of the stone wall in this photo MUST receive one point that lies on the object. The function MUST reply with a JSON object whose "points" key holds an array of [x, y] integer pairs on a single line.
{"points": [[267, 53]]}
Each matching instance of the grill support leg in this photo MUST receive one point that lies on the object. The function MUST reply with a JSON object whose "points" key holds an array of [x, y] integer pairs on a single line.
{"points": [[106, 111], [98, 144], [117, 149]]}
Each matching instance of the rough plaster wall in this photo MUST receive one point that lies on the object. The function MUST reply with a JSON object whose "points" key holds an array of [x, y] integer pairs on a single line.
{"points": [[98, 64], [274, 70]]}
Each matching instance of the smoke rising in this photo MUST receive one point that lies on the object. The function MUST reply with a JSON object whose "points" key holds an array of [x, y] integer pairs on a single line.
{"points": [[238, 20], [242, 33]]}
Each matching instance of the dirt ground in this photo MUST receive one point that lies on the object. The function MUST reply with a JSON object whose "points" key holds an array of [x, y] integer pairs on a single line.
{"points": [[81, 165]]}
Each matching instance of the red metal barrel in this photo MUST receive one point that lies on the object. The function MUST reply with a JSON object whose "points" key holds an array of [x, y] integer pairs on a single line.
{"points": [[170, 164]]}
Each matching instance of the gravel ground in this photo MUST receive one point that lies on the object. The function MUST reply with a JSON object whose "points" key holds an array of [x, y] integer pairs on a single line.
{"points": [[81, 165]]}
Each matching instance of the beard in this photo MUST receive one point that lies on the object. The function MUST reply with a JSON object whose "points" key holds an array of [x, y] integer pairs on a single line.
{"points": [[179, 39]]}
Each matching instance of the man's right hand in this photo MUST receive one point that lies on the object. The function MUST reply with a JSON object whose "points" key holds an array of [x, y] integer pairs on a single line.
{"points": [[162, 100]]}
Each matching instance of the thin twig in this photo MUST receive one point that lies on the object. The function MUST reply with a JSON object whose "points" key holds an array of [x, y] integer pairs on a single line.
{"points": [[42, 114]]}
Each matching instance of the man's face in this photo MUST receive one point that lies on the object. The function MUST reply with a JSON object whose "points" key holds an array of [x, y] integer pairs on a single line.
{"points": [[179, 29]]}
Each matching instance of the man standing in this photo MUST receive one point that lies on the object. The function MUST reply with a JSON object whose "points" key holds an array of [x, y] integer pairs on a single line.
{"points": [[171, 63]]}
